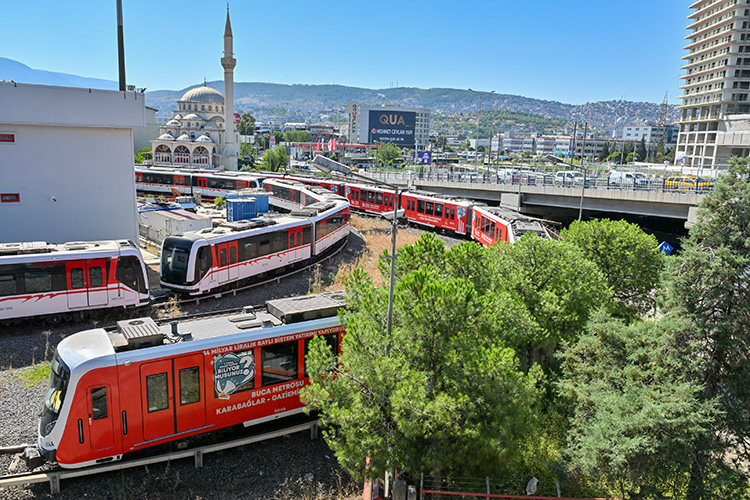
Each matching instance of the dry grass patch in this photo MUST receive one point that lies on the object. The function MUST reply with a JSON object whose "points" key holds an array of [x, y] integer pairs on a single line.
{"points": [[377, 235]]}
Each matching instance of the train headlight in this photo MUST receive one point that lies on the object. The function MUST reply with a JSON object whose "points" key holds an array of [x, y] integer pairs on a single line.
{"points": [[48, 428]]}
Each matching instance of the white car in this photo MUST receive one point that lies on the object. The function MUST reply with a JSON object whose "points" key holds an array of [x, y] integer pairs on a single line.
{"points": [[568, 178]]}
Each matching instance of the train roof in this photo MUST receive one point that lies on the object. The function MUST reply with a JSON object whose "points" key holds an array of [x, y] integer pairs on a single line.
{"points": [[438, 196], [520, 223], [140, 333], [73, 248]]}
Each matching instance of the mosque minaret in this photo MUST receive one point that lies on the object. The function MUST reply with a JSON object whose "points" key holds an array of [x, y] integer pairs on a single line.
{"points": [[231, 146]]}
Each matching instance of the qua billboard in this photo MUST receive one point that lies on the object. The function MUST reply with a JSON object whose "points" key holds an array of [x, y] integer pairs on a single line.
{"points": [[392, 126]]}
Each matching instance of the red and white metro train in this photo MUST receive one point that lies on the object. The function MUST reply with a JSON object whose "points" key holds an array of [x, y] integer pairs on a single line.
{"points": [[199, 183], [58, 282], [137, 385], [211, 259], [432, 210]]}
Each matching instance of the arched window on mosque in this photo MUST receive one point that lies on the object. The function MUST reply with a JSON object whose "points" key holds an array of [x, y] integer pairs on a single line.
{"points": [[163, 154], [200, 155], [203, 107], [209, 107], [181, 154]]}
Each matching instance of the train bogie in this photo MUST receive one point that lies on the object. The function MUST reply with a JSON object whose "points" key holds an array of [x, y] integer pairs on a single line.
{"points": [[138, 385]]}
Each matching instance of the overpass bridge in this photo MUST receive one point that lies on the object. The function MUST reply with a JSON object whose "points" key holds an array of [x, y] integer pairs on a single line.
{"points": [[548, 200]]}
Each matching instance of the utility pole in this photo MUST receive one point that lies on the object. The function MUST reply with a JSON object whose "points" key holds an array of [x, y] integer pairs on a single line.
{"points": [[479, 116]]}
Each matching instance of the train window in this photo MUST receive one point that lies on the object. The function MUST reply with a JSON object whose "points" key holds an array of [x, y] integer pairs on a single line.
{"points": [[371, 196], [429, 208], [306, 234], [389, 201], [128, 272], [76, 278], [95, 277], [99, 403], [453, 214], [38, 281], [420, 206], [279, 241], [190, 385], [157, 394], [249, 249], [438, 210], [492, 228], [8, 285], [233, 255], [379, 198], [332, 341], [204, 260], [279, 363], [264, 248], [223, 257], [356, 195]]}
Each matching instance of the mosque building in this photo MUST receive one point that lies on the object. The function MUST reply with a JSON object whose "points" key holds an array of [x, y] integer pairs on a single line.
{"points": [[202, 133]]}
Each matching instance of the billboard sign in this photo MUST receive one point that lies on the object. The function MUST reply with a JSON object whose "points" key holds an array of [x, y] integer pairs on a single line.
{"points": [[392, 126], [424, 157]]}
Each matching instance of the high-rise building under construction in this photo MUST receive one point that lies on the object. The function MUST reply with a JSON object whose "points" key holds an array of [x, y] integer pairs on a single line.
{"points": [[715, 109]]}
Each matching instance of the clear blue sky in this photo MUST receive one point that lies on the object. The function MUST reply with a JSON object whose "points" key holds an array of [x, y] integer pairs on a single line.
{"points": [[573, 51]]}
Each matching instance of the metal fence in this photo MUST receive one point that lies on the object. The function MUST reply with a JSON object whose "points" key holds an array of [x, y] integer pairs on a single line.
{"points": [[547, 178]]}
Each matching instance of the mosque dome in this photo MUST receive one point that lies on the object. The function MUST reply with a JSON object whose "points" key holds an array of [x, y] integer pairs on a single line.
{"points": [[184, 138], [173, 123], [204, 138], [166, 137], [203, 94], [193, 116]]}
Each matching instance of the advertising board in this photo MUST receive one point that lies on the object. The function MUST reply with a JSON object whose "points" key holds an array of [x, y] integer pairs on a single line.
{"points": [[392, 126]]}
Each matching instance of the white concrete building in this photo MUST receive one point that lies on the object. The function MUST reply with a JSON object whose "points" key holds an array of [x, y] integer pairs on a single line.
{"points": [[715, 120], [66, 166], [651, 133], [202, 132]]}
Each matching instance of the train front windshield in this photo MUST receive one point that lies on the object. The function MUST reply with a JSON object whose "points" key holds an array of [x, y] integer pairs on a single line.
{"points": [[58, 386], [175, 253]]}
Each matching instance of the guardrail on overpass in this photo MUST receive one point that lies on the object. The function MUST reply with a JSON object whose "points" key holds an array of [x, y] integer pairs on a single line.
{"points": [[526, 195]]}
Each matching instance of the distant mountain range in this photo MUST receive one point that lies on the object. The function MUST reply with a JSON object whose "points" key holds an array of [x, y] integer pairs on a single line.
{"points": [[316, 103], [18, 72]]}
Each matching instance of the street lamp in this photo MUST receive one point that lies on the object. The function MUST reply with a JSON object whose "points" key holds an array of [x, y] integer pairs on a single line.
{"points": [[555, 160], [481, 93], [327, 165]]}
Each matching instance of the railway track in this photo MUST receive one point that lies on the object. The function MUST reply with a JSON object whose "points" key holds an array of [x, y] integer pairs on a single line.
{"points": [[55, 476]]}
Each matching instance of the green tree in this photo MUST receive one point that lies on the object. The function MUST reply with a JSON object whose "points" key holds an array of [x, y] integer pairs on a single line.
{"points": [[629, 259], [636, 409], [275, 159], [387, 153], [441, 142], [441, 394], [557, 286], [641, 150], [709, 286], [297, 136], [604, 153], [247, 124]]}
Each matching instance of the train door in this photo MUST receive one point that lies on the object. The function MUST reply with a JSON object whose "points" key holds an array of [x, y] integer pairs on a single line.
{"points": [[96, 272], [227, 258], [179, 182], [75, 276], [201, 185], [190, 403], [99, 402], [295, 244], [157, 400]]}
